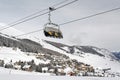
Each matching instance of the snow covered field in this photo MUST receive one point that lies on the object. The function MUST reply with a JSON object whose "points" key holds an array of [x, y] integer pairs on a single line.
{"points": [[8, 74], [37, 77], [8, 54]]}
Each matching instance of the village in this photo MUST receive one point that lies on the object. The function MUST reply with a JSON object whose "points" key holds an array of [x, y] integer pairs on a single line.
{"points": [[58, 65]]}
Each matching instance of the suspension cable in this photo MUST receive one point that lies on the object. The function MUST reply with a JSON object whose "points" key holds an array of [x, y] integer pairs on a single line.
{"points": [[100, 13], [29, 33], [37, 15], [111, 10]]}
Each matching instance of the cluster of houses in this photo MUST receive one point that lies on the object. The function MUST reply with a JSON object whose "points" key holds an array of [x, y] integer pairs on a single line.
{"points": [[59, 65]]}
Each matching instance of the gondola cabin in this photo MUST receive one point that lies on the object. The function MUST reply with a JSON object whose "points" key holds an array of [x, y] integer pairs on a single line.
{"points": [[52, 30]]}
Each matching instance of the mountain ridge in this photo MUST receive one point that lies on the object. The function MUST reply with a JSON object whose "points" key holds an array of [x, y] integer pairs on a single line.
{"points": [[86, 54]]}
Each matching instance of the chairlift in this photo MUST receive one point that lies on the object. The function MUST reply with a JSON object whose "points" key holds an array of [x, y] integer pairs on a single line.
{"points": [[52, 29]]}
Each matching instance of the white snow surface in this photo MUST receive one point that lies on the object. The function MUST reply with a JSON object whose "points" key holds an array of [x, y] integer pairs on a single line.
{"points": [[68, 70], [10, 74], [5, 71], [8, 54]]}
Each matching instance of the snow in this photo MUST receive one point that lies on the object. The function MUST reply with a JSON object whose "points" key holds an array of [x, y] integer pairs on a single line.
{"points": [[65, 48], [4, 71], [51, 47], [9, 74], [68, 70], [44, 68], [104, 52], [8, 54], [26, 66]]}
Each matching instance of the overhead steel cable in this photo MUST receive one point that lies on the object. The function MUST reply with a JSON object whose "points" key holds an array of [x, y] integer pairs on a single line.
{"points": [[38, 12], [91, 16], [41, 10], [19, 22], [100, 13], [29, 33], [65, 4], [34, 13], [60, 3]]}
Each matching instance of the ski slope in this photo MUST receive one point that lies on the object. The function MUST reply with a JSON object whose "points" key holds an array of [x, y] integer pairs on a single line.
{"points": [[7, 54], [9, 74]]}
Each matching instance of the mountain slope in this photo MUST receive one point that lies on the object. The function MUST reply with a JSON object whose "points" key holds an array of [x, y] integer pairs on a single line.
{"points": [[117, 54], [25, 45], [94, 56], [7, 54], [97, 57]]}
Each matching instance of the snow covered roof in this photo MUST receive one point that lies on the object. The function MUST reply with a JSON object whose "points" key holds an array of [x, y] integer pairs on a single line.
{"points": [[68, 70]]}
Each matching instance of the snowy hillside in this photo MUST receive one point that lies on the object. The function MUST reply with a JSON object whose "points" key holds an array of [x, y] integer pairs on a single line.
{"points": [[97, 57], [55, 55], [8, 54], [117, 54]]}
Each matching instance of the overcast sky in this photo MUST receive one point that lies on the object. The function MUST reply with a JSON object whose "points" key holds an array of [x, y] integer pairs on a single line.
{"points": [[102, 31]]}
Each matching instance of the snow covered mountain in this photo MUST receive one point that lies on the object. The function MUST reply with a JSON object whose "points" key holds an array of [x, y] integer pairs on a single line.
{"points": [[54, 51], [97, 57], [117, 54]]}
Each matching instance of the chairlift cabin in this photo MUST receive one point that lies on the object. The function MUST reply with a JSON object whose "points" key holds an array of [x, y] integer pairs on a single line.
{"points": [[52, 29]]}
